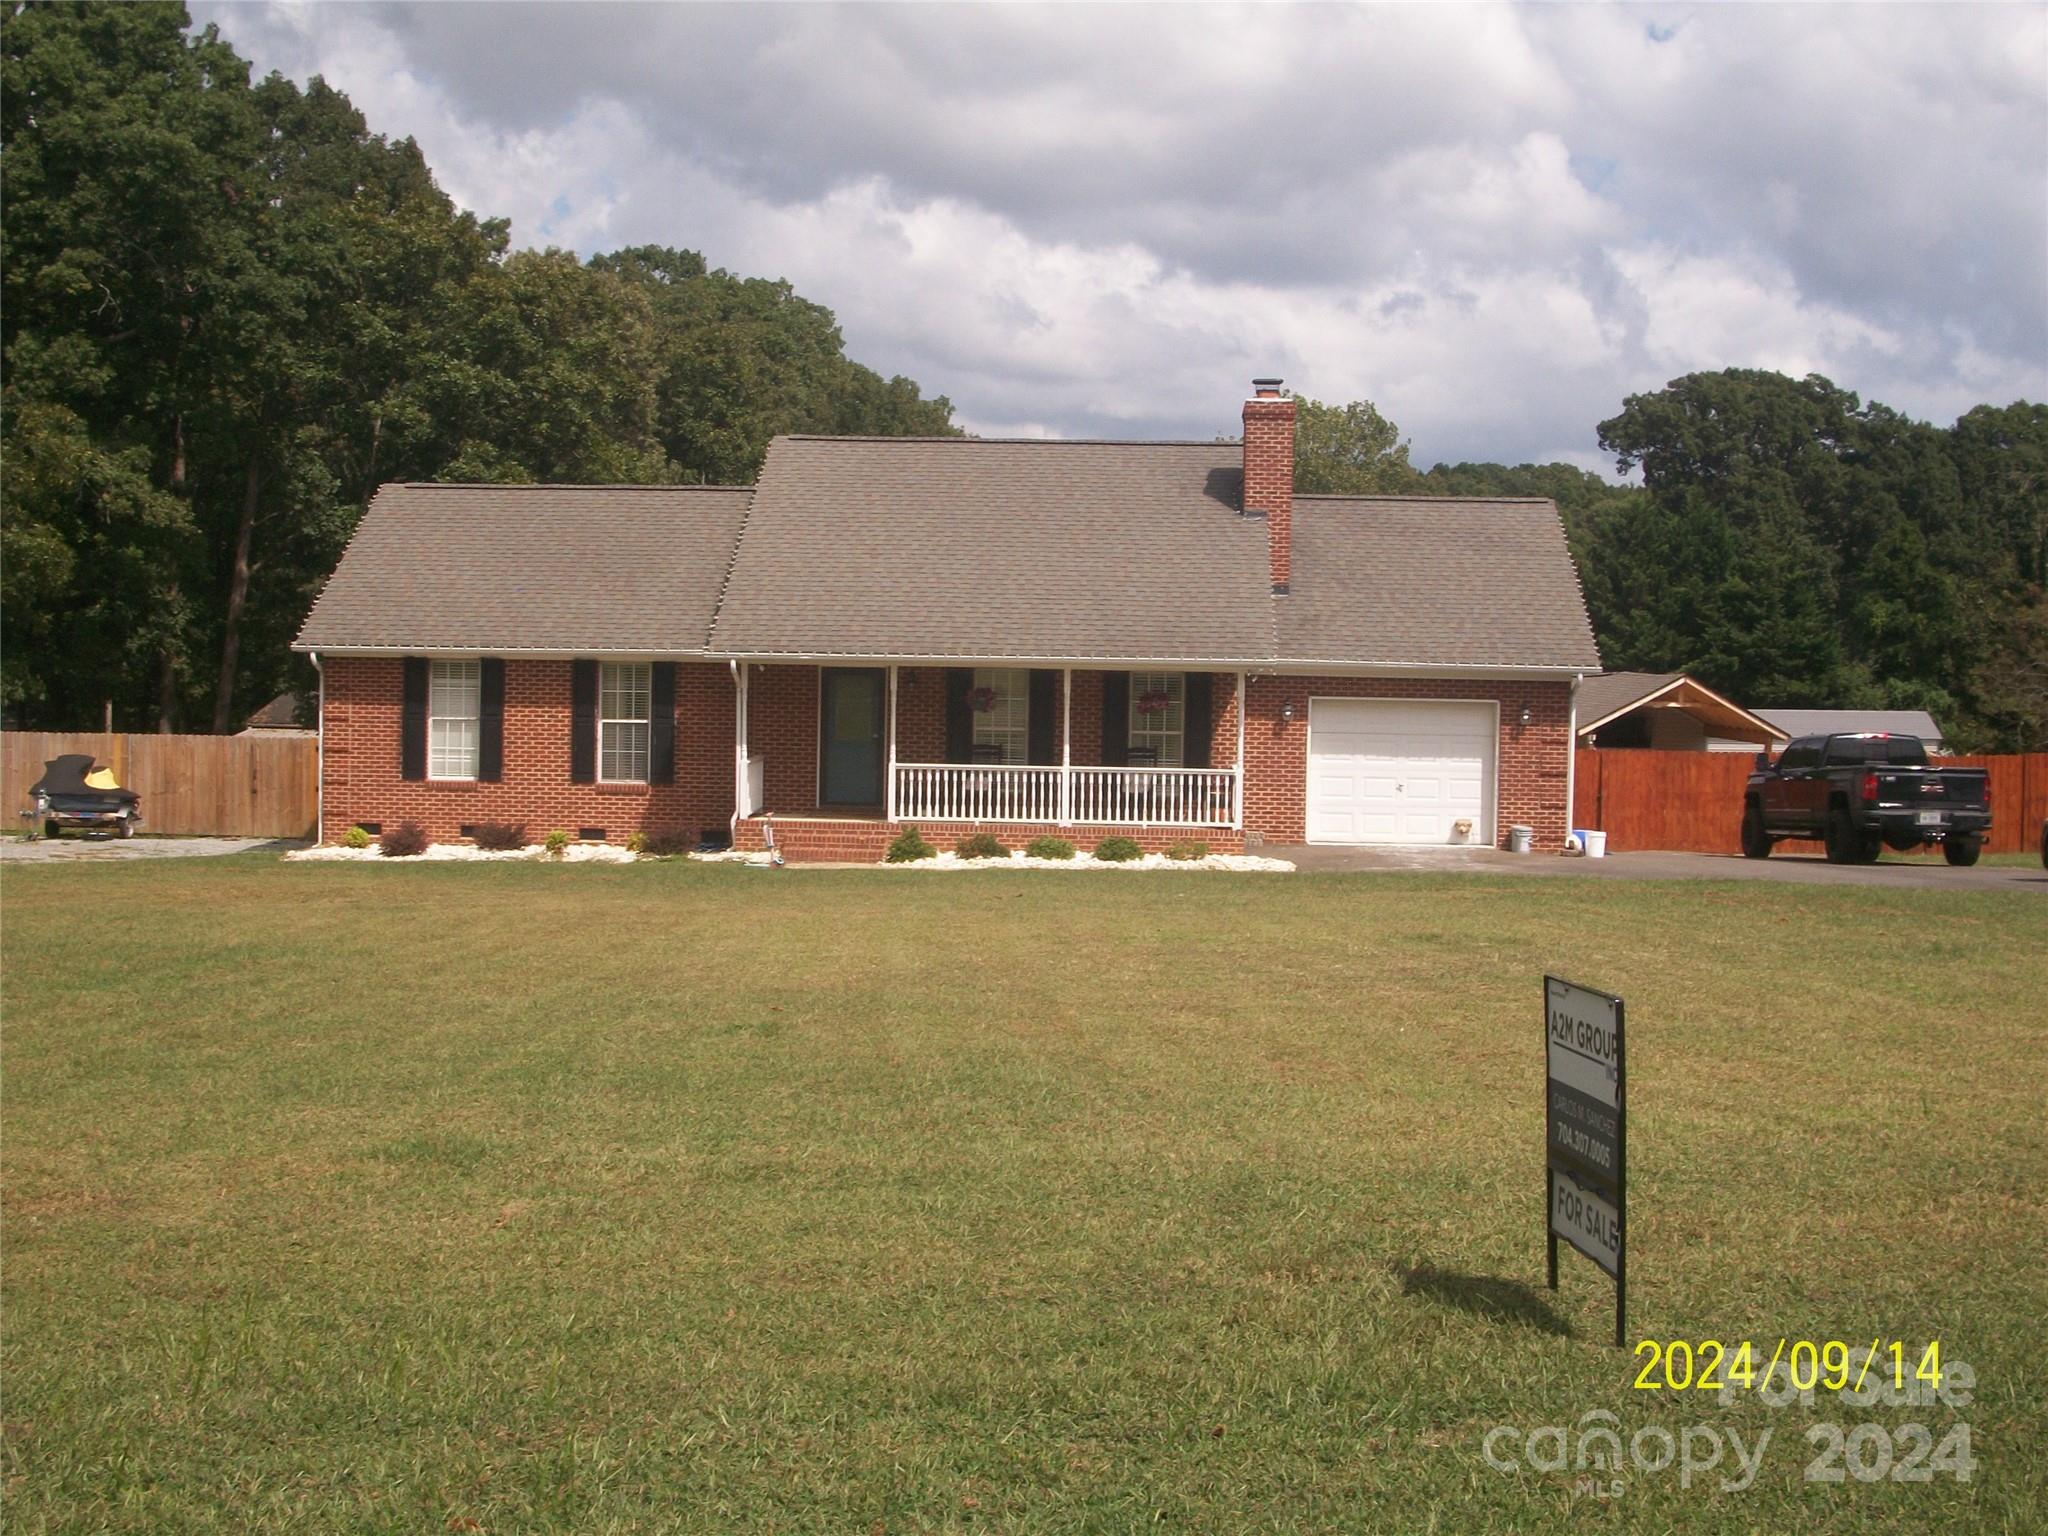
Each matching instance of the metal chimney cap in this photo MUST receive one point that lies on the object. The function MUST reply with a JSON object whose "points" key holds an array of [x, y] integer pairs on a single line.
{"points": [[1266, 386]]}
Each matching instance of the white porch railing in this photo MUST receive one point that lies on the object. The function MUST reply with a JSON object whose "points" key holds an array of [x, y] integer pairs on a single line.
{"points": [[976, 792], [1154, 797], [1130, 797]]}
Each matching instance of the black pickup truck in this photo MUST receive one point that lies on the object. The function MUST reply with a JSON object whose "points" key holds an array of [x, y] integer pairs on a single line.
{"points": [[1863, 793]]}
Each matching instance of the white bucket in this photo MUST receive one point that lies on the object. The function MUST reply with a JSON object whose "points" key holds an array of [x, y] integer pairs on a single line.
{"points": [[1519, 839], [1596, 845]]}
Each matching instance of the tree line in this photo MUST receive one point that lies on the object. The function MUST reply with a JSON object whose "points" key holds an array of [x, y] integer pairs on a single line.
{"points": [[1788, 544], [229, 311]]}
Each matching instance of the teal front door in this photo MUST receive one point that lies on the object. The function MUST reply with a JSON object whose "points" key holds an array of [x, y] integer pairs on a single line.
{"points": [[850, 702]]}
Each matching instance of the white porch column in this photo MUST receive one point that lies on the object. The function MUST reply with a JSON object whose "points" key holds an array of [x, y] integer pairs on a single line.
{"points": [[1237, 790], [890, 793], [1067, 747]]}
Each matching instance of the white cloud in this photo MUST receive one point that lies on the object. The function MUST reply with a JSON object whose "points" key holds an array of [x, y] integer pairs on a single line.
{"points": [[1493, 222]]}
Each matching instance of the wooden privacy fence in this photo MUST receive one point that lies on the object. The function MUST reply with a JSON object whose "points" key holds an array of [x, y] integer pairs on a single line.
{"points": [[229, 786], [1691, 802]]}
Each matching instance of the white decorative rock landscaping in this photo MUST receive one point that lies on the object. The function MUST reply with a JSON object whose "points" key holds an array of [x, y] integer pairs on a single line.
{"points": [[1020, 860]]}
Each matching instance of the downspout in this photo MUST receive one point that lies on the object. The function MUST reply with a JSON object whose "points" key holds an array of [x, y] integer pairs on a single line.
{"points": [[739, 752], [320, 755], [1571, 761]]}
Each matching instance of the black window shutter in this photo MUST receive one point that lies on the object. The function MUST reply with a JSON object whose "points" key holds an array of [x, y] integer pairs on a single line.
{"points": [[1039, 736], [490, 722], [959, 715], [582, 722], [661, 730], [1198, 719], [412, 725], [1116, 718]]}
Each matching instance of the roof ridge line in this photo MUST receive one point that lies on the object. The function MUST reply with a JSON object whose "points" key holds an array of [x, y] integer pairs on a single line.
{"points": [[1420, 496], [550, 485], [1036, 442]]}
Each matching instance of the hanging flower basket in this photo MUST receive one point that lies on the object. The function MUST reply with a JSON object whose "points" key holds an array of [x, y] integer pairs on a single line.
{"points": [[1156, 702], [981, 700]]}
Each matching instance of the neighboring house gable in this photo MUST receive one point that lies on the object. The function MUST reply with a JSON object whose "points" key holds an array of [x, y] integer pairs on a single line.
{"points": [[1668, 711]]}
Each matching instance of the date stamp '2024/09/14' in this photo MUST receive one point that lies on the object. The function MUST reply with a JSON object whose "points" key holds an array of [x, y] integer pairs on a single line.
{"points": [[1874, 1375]]}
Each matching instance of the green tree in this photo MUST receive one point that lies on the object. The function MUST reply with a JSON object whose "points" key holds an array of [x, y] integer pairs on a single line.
{"points": [[1349, 450]]}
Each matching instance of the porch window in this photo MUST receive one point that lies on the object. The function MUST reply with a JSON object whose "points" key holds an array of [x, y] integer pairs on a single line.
{"points": [[624, 709], [453, 689], [1002, 730], [1158, 717]]}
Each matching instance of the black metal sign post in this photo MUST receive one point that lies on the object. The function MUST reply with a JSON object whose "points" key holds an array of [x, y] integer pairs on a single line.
{"points": [[1585, 1162]]}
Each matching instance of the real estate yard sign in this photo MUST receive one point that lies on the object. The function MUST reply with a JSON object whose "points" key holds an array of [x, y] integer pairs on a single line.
{"points": [[1585, 1138]]}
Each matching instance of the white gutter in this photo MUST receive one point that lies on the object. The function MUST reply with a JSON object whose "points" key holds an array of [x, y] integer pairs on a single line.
{"points": [[1571, 762], [739, 752], [320, 755], [1257, 665]]}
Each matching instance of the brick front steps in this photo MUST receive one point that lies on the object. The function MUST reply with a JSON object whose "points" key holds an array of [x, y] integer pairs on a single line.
{"points": [[824, 840]]}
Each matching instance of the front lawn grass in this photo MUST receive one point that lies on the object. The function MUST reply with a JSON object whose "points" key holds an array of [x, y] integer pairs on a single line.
{"points": [[672, 1197]]}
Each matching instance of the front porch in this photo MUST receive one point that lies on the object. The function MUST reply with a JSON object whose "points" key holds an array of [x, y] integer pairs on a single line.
{"points": [[840, 759]]}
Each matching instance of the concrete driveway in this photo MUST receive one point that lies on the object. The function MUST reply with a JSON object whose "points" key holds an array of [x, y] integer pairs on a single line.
{"points": [[76, 848], [1795, 868]]}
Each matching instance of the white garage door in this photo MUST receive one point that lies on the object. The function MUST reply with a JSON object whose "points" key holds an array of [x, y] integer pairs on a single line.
{"points": [[1381, 771]]}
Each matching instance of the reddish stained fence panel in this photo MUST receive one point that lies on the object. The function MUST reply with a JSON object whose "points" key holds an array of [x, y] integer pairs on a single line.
{"points": [[226, 786], [1691, 802]]}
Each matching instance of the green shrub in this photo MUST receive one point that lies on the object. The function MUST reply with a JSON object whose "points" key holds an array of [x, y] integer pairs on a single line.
{"points": [[980, 845], [1118, 850], [909, 847], [1187, 850], [1049, 848], [408, 840], [555, 842], [498, 836], [666, 845], [355, 837]]}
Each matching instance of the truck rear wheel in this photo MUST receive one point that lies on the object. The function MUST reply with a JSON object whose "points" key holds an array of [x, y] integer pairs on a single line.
{"points": [[1756, 842], [53, 829], [1840, 838], [1962, 851]]}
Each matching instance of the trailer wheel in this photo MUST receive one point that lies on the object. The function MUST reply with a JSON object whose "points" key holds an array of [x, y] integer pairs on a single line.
{"points": [[52, 830], [1962, 851]]}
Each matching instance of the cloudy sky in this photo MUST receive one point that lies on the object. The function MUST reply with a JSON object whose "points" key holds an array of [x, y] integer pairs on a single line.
{"points": [[1102, 221]]}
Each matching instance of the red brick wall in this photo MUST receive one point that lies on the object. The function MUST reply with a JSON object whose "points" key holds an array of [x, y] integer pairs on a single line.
{"points": [[782, 730], [804, 841], [1532, 764], [360, 759]]}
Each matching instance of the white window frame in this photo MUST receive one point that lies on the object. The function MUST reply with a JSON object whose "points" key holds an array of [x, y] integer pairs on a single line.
{"points": [[1165, 732], [444, 676], [1008, 724], [616, 692]]}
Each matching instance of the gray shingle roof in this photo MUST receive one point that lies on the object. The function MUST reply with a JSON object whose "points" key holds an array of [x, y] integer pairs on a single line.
{"points": [[1612, 692], [1850, 722], [931, 548], [1433, 581], [1039, 550], [563, 568]]}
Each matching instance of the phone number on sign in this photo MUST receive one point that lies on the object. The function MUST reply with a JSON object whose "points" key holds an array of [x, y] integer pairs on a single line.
{"points": [[1833, 1365]]}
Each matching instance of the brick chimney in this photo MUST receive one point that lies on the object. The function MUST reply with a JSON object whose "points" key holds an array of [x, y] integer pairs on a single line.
{"points": [[1269, 472]]}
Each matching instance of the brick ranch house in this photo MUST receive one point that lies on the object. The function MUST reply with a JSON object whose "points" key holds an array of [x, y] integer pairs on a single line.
{"points": [[1154, 639]]}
